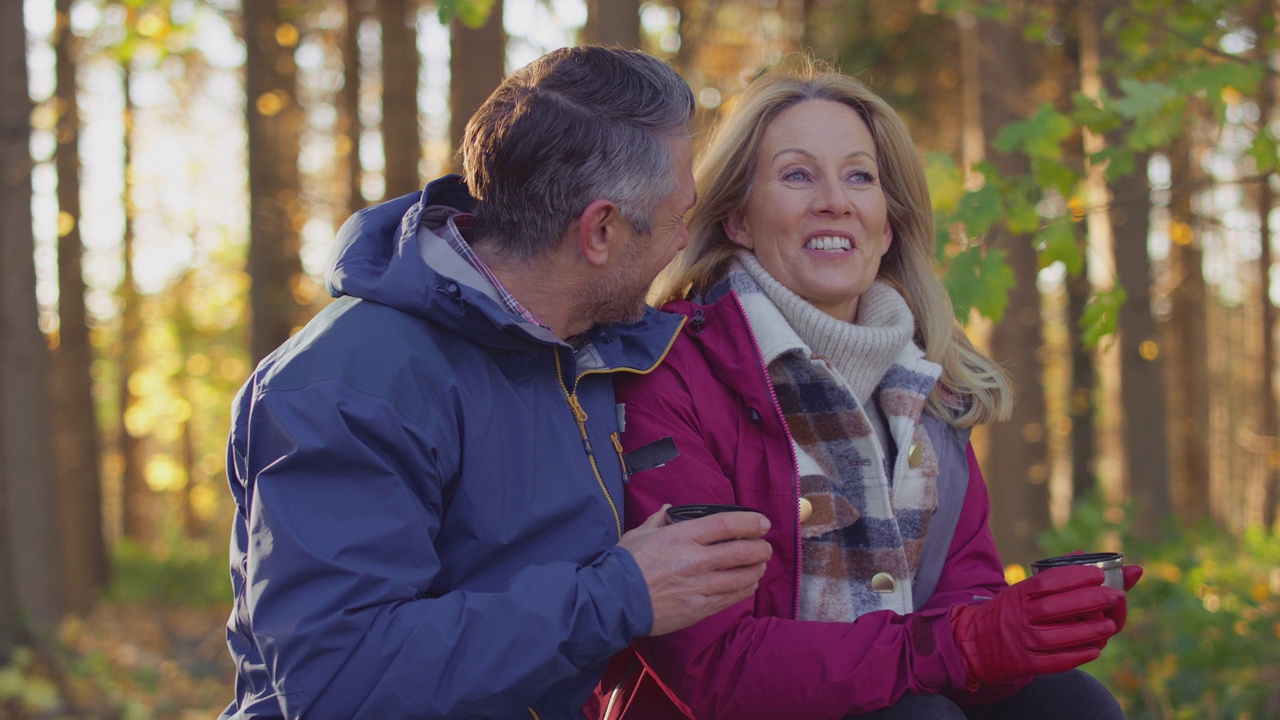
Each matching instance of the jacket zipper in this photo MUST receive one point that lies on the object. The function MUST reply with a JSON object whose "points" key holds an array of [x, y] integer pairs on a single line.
{"points": [[791, 449], [580, 415]]}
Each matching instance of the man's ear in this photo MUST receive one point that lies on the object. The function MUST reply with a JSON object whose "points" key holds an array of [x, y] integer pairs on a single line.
{"points": [[736, 228], [598, 231]]}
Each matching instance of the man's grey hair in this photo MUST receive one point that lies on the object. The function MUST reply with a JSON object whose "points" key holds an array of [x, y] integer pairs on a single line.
{"points": [[574, 126]]}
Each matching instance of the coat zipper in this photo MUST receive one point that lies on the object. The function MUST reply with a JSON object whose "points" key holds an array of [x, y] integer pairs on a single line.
{"points": [[791, 449], [580, 415]]}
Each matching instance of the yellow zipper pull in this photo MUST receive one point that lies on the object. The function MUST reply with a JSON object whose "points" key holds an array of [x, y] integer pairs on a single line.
{"points": [[578, 412]]}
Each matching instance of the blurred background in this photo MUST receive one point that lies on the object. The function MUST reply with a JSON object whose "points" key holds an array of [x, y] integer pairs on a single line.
{"points": [[172, 172]]}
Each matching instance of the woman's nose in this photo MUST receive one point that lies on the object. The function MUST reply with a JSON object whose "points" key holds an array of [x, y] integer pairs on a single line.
{"points": [[831, 199]]}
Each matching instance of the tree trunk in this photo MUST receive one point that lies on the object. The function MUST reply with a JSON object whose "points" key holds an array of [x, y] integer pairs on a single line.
{"points": [[15, 247], [477, 64], [1017, 465], [349, 125], [1268, 431], [30, 528], [401, 138], [1142, 400], [75, 438], [1186, 347], [135, 495], [274, 122], [1080, 403], [613, 22]]}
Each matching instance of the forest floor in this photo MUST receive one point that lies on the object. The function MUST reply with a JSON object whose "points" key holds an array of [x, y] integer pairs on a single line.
{"points": [[130, 661]]}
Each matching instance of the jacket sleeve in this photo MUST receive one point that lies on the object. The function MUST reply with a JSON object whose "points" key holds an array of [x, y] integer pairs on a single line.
{"points": [[741, 663], [344, 510], [973, 574]]}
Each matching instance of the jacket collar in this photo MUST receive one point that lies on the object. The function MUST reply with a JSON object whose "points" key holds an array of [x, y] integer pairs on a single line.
{"points": [[390, 254]]}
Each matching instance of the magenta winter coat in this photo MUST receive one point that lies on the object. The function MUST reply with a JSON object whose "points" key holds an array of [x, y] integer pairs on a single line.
{"points": [[755, 659]]}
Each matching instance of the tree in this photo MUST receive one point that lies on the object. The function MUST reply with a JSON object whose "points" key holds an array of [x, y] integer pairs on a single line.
{"points": [[1186, 339], [30, 528], [401, 138], [1017, 462], [85, 566], [1268, 495], [613, 22], [274, 122], [349, 125], [477, 64], [135, 495]]}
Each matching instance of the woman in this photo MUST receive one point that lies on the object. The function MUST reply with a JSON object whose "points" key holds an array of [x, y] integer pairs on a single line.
{"points": [[823, 380]]}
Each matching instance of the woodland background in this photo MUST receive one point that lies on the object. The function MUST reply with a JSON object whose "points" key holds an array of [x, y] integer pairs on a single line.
{"points": [[1104, 175]]}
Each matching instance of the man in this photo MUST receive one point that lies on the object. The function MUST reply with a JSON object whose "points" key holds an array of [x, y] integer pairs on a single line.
{"points": [[428, 477]]}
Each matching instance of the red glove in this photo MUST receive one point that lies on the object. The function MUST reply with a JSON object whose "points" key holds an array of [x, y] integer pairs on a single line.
{"points": [[1051, 622], [1120, 611]]}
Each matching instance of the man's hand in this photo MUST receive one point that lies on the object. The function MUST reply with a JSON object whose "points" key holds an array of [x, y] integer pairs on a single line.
{"points": [[698, 567]]}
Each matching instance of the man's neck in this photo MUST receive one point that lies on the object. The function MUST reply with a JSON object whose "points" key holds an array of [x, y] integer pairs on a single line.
{"points": [[546, 286]]}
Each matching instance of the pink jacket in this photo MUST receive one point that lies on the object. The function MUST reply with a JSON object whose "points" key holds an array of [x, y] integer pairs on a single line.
{"points": [[712, 395]]}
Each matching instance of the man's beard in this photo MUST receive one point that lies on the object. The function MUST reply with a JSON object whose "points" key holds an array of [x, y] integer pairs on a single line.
{"points": [[620, 298]]}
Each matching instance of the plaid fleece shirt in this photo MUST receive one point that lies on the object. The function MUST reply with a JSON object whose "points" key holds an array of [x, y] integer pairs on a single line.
{"points": [[453, 232]]}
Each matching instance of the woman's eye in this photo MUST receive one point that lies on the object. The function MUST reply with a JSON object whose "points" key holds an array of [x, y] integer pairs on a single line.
{"points": [[795, 175], [862, 177]]}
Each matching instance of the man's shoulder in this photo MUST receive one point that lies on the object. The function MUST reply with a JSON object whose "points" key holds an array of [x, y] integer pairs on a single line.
{"points": [[372, 348]]}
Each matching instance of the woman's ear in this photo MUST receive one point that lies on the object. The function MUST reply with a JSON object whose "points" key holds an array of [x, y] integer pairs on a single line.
{"points": [[888, 239], [735, 227]]}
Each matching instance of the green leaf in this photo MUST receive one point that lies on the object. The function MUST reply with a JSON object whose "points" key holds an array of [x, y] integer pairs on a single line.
{"points": [[472, 13], [1101, 316], [1057, 242], [1039, 136], [1099, 116], [1022, 217], [1213, 78], [1054, 175], [1143, 100], [979, 280], [946, 183], [1263, 151], [1119, 161], [979, 210]]}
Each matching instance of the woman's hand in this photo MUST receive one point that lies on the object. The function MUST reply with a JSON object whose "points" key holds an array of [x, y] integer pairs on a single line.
{"points": [[1051, 622]]}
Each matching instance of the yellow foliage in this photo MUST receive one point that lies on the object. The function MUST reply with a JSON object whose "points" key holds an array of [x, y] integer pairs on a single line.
{"points": [[204, 500], [1014, 573], [164, 474], [287, 35], [1180, 233], [66, 223]]}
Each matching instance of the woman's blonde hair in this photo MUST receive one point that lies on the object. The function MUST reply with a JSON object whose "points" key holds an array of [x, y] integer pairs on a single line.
{"points": [[973, 389]]}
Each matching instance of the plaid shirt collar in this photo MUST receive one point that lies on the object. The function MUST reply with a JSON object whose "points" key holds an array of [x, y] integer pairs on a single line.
{"points": [[453, 231]]}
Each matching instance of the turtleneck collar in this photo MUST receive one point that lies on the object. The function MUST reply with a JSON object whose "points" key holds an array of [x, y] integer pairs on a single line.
{"points": [[861, 351]]}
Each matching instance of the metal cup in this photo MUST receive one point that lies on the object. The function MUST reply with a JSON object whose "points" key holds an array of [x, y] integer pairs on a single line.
{"points": [[680, 513], [1110, 562]]}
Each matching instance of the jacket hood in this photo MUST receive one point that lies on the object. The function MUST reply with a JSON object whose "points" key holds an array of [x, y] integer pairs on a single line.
{"points": [[390, 254]]}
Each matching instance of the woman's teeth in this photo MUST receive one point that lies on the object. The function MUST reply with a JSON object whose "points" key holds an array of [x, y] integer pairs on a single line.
{"points": [[829, 244]]}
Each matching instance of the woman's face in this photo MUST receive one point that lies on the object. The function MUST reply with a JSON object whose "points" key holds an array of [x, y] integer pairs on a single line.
{"points": [[816, 217]]}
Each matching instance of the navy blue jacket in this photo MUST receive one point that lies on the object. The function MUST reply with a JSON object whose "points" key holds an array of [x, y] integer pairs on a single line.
{"points": [[428, 494]]}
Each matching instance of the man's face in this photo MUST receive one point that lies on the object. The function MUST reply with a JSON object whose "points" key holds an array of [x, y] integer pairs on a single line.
{"points": [[620, 297]]}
